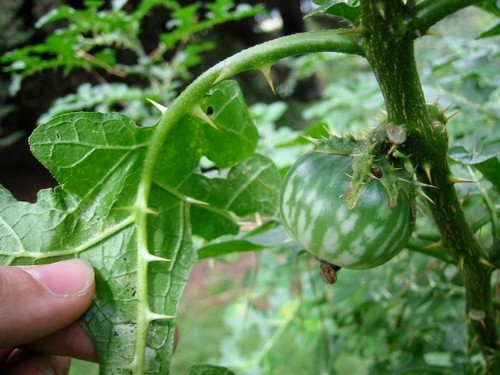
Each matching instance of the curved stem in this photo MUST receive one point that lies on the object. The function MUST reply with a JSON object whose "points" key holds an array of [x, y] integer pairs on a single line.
{"points": [[258, 57], [429, 12], [389, 49], [263, 57]]}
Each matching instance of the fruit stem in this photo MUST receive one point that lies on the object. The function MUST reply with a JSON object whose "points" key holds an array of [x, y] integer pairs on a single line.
{"points": [[389, 48]]}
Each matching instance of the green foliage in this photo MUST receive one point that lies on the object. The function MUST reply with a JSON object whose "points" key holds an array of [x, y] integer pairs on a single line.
{"points": [[93, 215], [94, 36], [96, 39], [143, 204], [384, 321]]}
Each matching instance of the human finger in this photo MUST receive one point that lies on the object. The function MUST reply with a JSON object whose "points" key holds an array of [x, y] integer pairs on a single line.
{"points": [[39, 300]]}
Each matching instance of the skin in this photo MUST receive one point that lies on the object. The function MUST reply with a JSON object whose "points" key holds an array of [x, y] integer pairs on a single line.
{"points": [[39, 306]]}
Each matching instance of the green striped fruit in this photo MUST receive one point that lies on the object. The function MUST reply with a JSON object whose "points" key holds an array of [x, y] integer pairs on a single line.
{"points": [[315, 211]]}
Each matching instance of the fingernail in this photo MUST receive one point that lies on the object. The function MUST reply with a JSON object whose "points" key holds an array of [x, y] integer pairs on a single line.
{"points": [[65, 278]]}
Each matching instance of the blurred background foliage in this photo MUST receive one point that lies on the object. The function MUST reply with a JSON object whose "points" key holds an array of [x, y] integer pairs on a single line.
{"points": [[260, 307]]}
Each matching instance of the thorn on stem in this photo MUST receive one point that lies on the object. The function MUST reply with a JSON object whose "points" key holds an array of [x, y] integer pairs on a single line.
{"points": [[427, 170], [461, 261], [381, 9], [426, 196], [487, 263], [222, 76], [155, 316], [458, 180], [450, 116], [160, 107], [431, 32], [267, 74], [199, 113]]}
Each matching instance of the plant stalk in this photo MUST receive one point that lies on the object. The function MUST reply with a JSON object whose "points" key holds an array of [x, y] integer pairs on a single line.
{"points": [[262, 57], [390, 50]]}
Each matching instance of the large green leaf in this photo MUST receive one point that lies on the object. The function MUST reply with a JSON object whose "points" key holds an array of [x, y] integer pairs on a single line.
{"points": [[141, 269]]}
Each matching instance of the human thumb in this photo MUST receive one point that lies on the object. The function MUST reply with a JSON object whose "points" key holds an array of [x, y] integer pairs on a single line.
{"points": [[39, 300]]}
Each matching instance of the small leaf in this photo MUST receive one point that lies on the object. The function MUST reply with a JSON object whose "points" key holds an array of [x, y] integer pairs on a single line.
{"points": [[228, 247], [479, 155], [263, 237], [316, 131], [494, 31], [489, 169], [338, 8], [484, 157]]}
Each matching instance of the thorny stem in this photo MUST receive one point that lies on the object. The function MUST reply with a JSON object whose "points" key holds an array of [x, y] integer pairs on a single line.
{"points": [[258, 57], [389, 31]]}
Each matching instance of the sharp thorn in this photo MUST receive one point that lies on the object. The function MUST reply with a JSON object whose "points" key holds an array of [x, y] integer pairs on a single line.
{"points": [[160, 107], [393, 148], [328, 130], [423, 184], [313, 140], [267, 74], [426, 196], [487, 263], [447, 107], [199, 113], [432, 33], [222, 76], [153, 258], [381, 9], [450, 116], [458, 180], [154, 316], [427, 170]]}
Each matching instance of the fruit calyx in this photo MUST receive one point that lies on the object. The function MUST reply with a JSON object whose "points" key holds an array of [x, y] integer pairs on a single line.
{"points": [[372, 158]]}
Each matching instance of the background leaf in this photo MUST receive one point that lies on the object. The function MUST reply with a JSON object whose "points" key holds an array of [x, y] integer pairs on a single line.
{"points": [[348, 10], [208, 370]]}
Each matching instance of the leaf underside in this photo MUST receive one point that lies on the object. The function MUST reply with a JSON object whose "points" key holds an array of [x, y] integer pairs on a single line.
{"points": [[97, 160]]}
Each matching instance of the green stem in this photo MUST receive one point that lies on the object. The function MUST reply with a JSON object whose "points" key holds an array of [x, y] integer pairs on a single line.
{"points": [[259, 57], [429, 12], [390, 51], [262, 57]]}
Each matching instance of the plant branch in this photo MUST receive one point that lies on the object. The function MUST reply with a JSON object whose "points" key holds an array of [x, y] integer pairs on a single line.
{"points": [[262, 57], [429, 12], [389, 49], [259, 57]]}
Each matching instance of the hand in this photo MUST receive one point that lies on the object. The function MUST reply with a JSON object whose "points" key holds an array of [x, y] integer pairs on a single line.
{"points": [[39, 306]]}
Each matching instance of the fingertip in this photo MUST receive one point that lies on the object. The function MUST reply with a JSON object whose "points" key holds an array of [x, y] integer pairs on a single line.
{"points": [[33, 295], [65, 278]]}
